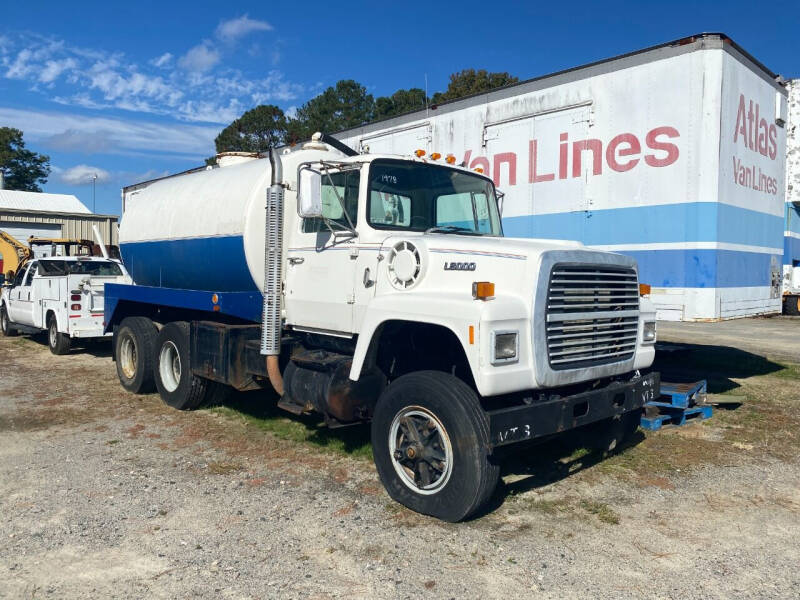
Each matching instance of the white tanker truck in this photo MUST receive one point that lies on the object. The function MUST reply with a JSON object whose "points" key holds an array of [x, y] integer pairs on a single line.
{"points": [[379, 288]]}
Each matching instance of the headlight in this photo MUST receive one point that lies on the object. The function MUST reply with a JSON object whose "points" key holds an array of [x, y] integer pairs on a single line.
{"points": [[505, 347], [649, 333]]}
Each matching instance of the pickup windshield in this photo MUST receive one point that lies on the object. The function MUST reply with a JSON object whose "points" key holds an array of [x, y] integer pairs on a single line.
{"points": [[96, 268], [426, 197]]}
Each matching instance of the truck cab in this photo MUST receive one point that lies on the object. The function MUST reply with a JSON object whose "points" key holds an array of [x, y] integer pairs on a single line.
{"points": [[60, 294], [380, 288]]}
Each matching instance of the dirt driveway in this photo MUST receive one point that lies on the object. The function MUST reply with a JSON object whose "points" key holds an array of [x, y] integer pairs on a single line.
{"points": [[105, 494]]}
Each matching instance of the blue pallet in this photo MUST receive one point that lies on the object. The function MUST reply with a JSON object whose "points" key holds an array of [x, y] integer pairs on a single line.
{"points": [[674, 416], [681, 395]]}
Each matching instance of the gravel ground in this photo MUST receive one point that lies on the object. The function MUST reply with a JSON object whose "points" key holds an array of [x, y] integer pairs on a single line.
{"points": [[772, 337], [106, 494]]}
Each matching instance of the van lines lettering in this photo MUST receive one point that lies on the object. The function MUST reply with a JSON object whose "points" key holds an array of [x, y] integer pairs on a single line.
{"points": [[754, 134], [621, 153]]}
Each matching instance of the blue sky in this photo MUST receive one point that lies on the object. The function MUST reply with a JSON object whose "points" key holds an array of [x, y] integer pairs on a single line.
{"points": [[133, 90]]}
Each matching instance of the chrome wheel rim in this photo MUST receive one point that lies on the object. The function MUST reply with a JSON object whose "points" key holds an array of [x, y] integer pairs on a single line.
{"points": [[169, 366], [127, 357], [420, 450]]}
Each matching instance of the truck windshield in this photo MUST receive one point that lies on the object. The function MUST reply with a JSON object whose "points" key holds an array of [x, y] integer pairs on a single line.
{"points": [[422, 197]]}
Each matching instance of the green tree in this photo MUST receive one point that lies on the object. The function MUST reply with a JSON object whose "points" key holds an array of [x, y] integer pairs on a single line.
{"points": [[469, 81], [401, 102], [257, 130], [344, 105], [22, 169]]}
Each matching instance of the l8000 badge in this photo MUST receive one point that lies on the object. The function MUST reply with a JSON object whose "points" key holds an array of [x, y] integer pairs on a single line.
{"points": [[459, 266]]}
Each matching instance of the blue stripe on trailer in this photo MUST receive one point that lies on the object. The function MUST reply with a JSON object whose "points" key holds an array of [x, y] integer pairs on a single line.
{"points": [[663, 223], [791, 250], [186, 264], [243, 305]]}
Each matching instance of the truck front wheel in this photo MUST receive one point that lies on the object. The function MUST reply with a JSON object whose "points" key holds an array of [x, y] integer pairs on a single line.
{"points": [[430, 441], [58, 342], [5, 323], [135, 345], [177, 385]]}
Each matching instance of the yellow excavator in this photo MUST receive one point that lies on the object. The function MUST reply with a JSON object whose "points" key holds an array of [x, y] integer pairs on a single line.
{"points": [[13, 253]]}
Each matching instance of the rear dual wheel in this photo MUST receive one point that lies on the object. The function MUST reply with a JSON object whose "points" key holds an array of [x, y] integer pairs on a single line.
{"points": [[176, 384], [59, 343]]}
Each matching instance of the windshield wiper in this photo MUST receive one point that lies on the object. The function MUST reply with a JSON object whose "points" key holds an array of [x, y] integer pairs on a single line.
{"points": [[452, 229]]}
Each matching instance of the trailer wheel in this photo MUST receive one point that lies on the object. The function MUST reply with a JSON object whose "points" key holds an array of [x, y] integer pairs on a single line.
{"points": [[59, 343], [135, 346], [791, 305], [177, 385], [5, 323], [430, 441]]}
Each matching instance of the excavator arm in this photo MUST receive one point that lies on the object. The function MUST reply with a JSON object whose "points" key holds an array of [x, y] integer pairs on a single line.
{"points": [[14, 252]]}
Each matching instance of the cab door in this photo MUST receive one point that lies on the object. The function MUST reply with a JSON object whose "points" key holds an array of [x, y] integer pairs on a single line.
{"points": [[320, 266], [20, 306]]}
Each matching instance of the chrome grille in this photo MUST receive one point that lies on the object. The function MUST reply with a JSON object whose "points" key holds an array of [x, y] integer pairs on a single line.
{"points": [[592, 315]]}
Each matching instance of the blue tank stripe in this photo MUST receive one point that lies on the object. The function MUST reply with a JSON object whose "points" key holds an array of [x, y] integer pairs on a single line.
{"points": [[207, 263]]}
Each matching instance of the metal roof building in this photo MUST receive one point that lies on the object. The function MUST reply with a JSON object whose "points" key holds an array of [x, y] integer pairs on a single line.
{"points": [[26, 214]]}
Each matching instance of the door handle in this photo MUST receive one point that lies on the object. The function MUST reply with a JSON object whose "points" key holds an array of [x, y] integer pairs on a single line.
{"points": [[296, 260], [367, 281]]}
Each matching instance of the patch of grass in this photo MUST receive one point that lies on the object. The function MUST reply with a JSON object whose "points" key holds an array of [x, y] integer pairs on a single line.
{"points": [[788, 371], [352, 441], [601, 510], [220, 468]]}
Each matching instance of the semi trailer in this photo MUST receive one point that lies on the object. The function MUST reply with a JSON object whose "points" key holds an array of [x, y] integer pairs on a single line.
{"points": [[673, 155], [380, 288]]}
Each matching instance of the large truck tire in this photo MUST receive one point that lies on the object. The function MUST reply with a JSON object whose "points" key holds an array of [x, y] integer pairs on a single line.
{"points": [[59, 343], [430, 441], [5, 323], [791, 305], [177, 385], [135, 348]]}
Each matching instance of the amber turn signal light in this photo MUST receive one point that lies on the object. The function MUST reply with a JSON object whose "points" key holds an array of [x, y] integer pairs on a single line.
{"points": [[482, 290], [644, 289]]}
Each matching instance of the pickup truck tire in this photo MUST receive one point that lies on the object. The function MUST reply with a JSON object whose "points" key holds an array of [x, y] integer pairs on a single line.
{"points": [[177, 385], [135, 347], [5, 323], [791, 305], [59, 343], [430, 442]]}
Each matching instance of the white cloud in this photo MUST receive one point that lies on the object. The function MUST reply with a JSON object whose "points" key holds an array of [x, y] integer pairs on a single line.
{"points": [[54, 68], [84, 174], [199, 92], [71, 132], [233, 29], [162, 61], [201, 58]]}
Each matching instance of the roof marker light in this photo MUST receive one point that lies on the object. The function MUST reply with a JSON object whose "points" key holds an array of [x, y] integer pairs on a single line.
{"points": [[478, 169], [420, 153], [436, 156], [451, 160]]}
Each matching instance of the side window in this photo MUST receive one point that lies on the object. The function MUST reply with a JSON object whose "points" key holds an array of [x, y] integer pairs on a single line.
{"points": [[389, 209], [340, 188], [31, 272], [468, 209], [18, 277]]}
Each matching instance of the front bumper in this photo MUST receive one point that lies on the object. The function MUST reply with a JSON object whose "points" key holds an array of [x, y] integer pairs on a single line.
{"points": [[540, 419]]}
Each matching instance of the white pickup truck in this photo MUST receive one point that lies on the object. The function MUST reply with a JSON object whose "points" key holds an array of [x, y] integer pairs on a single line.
{"points": [[63, 295]]}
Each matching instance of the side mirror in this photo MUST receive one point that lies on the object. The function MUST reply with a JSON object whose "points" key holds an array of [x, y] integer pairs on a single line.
{"points": [[309, 193]]}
